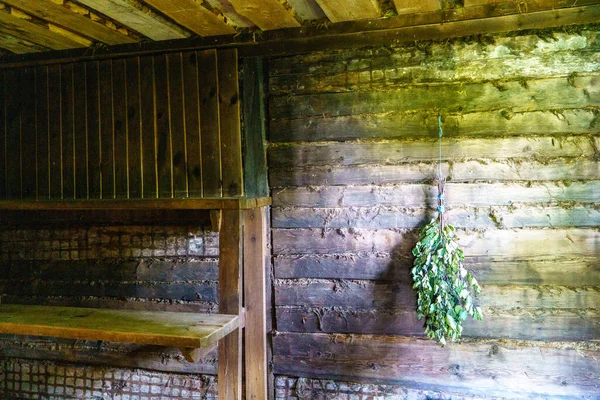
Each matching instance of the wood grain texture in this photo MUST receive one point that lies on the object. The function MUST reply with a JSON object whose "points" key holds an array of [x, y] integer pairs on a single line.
{"points": [[168, 329], [230, 302], [193, 16], [120, 132], [33, 33], [80, 129], [93, 129], [192, 124], [352, 10], [164, 154], [28, 135], [254, 128], [134, 128], [12, 152], [307, 9], [148, 128], [107, 171], [229, 119], [490, 368], [177, 126], [136, 16], [17, 45], [255, 303], [409, 7], [57, 14], [209, 124], [266, 14]]}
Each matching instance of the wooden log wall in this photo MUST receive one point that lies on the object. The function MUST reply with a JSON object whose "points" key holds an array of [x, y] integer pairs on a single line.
{"points": [[353, 159], [165, 126]]}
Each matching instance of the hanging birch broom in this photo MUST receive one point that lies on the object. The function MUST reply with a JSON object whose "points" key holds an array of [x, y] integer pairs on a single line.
{"points": [[444, 287]]}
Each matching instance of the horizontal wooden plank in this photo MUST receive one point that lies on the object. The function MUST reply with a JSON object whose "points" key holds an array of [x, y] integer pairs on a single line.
{"points": [[420, 195], [144, 327], [517, 48], [56, 13], [404, 151], [157, 358], [579, 92], [307, 10], [402, 218], [579, 271], [498, 243], [483, 367], [368, 294], [400, 69], [135, 204], [138, 17], [395, 125], [266, 14], [533, 325], [408, 6], [517, 169]]}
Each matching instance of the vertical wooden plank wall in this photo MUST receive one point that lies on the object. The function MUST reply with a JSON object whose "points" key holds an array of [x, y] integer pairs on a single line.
{"points": [[163, 126]]}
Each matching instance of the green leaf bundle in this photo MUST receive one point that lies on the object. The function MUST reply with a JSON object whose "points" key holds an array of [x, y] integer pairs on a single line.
{"points": [[444, 287]]}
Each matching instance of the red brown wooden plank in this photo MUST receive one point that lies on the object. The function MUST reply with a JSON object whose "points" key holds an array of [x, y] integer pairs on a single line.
{"points": [[134, 132], [54, 129], [107, 170], [3, 149], [148, 121], [28, 134], [68, 137], [177, 125], [80, 130], [93, 129], [121, 143], [13, 133], [42, 166], [209, 123], [192, 123], [163, 131], [229, 119]]}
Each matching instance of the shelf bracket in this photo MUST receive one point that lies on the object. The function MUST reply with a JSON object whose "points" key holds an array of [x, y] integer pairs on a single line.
{"points": [[195, 355]]}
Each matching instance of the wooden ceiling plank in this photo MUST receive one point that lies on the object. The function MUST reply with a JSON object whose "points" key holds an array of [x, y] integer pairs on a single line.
{"points": [[266, 14], [193, 16], [33, 33], [307, 10], [412, 6], [471, 3], [19, 46], [232, 16], [59, 15], [351, 10], [139, 18]]}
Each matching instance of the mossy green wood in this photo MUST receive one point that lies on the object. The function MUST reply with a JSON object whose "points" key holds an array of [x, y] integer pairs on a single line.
{"points": [[173, 329]]}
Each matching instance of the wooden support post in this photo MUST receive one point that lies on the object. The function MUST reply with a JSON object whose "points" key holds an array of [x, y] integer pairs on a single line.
{"points": [[255, 303], [230, 302]]}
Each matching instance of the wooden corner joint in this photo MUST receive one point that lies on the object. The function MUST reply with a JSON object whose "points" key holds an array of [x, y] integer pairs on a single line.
{"points": [[195, 355], [242, 318]]}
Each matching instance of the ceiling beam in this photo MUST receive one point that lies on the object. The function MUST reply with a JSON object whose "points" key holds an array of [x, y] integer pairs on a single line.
{"points": [[307, 9], [193, 16], [19, 46], [27, 30], [351, 10], [411, 6], [59, 15], [233, 18], [266, 14], [138, 17], [428, 26]]}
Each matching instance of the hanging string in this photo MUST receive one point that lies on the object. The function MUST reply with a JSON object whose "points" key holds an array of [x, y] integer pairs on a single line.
{"points": [[441, 179]]}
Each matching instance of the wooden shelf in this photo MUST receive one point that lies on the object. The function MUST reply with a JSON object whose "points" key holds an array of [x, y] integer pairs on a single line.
{"points": [[225, 203], [173, 329]]}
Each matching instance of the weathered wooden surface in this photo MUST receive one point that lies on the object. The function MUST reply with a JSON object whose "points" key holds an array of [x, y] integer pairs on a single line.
{"points": [[307, 9], [33, 33], [353, 162], [56, 13], [352, 10], [266, 14], [408, 7], [151, 328], [140, 18], [193, 16], [487, 368]]}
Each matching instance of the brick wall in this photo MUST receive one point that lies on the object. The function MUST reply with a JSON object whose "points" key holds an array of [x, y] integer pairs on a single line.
{"points": [[128, 264]]}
